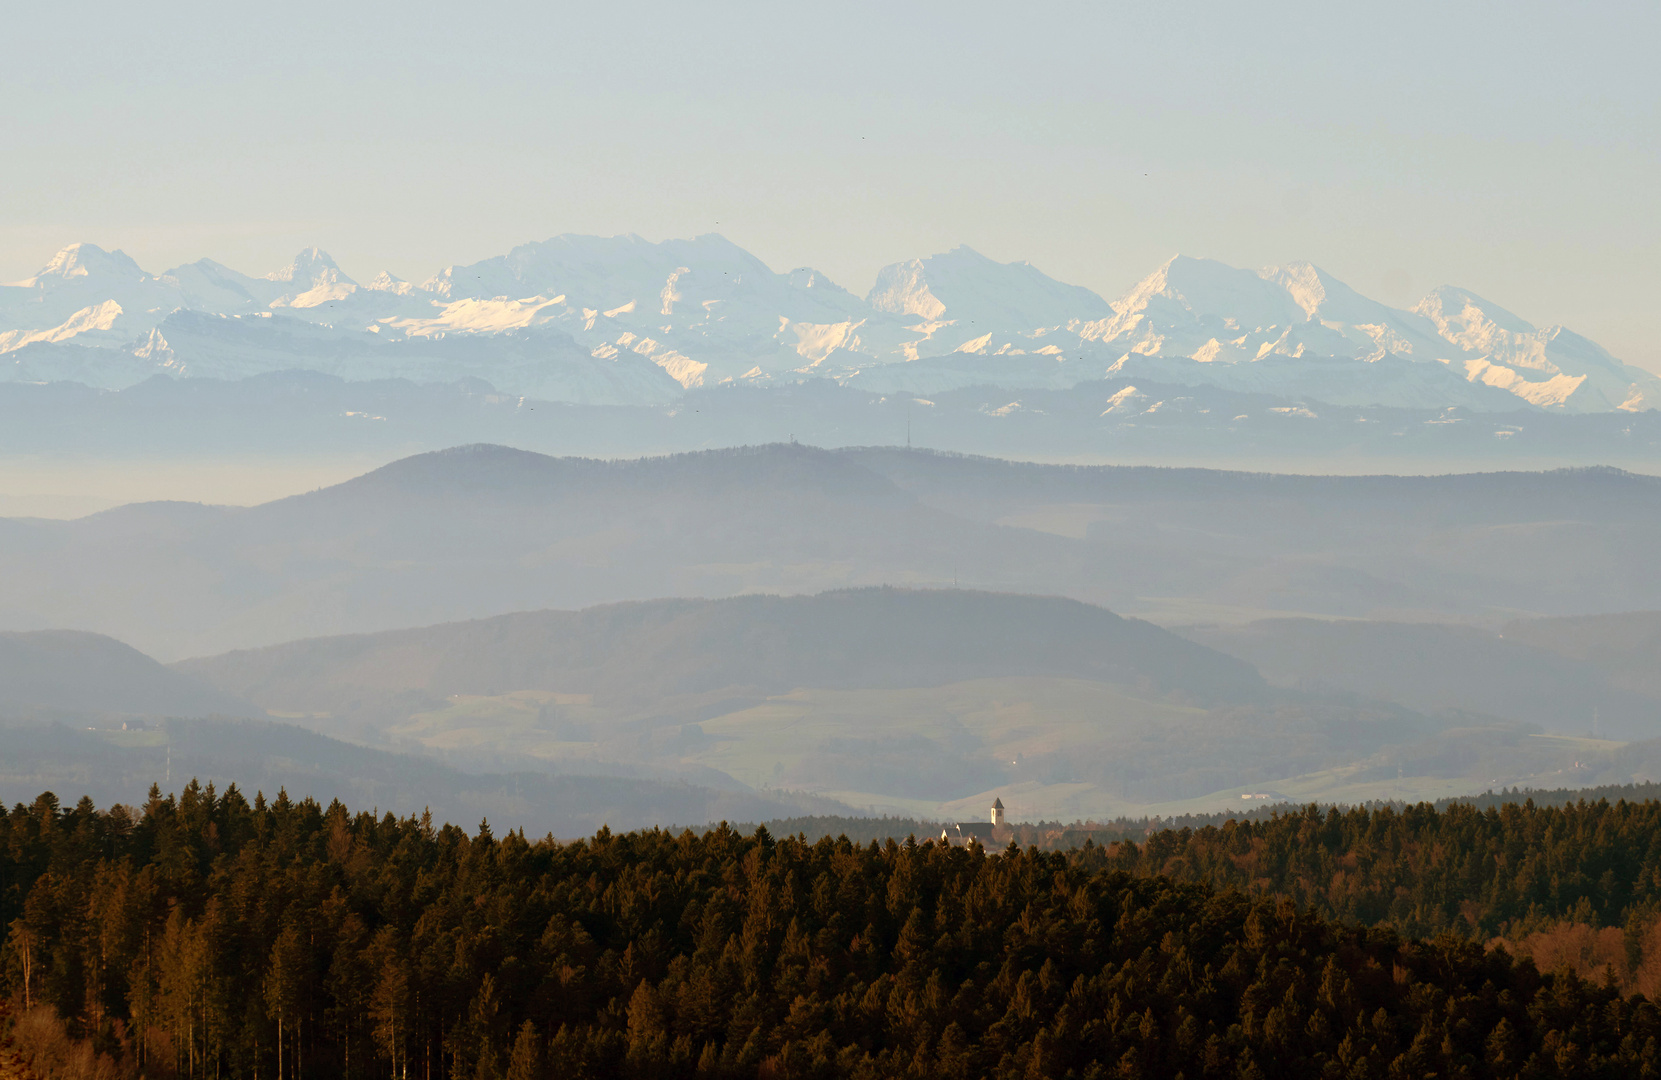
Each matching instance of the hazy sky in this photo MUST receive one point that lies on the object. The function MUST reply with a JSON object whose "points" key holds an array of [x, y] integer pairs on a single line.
{"points": [[1509, 148]]}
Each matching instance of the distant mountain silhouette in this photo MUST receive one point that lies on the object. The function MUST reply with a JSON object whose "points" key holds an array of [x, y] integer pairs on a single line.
{"points": [[265, 756], [73, 671], [1625, 647], [638, 653], [477, 531], [1525, 674]]}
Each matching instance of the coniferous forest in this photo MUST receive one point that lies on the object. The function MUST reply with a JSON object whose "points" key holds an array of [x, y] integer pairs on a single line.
{"points": [[210, 936]]}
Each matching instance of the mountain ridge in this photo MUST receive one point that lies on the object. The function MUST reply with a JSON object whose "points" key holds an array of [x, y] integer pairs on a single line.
{"points": [[76, 671], [471, 533], [858, 638], [706, 312]]}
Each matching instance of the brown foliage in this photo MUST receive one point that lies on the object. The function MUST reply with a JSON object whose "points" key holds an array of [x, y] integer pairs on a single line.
{"points": [[43, 1048], [1632, 957]]}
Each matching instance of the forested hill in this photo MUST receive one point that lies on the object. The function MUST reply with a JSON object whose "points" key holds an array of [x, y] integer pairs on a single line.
{"points": [[1505, 869], [646, 651], [210, 936], [72, 671], [1506, 865]]}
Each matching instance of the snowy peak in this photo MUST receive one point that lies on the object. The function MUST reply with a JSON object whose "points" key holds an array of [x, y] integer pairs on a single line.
{"points": [[1206, 311], [85, 261], [310, 267], [1467, 319], [1272, 297], [1324, 298], [807, 278], [1210, 311], [1200, 309], [605, 271], [704, 311], [1215, 291], [1336, 306], [1307, 284], [902, 289], [205, 285], [651, 288], [101, 317], [964, 286], [315, 280], [1553, 366], [385, 281]]}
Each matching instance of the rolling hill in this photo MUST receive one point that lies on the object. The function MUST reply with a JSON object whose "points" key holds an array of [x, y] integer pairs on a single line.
{"points": [[113, 766], [478, 531], [923, 702], [1587, 675], [1625, 647], [926, 702], [68, 671], [638, 654]]}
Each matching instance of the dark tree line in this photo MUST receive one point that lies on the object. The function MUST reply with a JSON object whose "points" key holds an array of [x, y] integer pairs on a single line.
{"points": [[207, 936], [1501, 870]]}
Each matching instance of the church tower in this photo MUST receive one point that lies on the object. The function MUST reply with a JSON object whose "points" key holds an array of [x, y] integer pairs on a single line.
{"points": [[997, 811]]}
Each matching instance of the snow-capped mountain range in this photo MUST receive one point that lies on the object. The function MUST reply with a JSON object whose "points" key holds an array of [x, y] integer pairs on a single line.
{"points": [[621, 320]]}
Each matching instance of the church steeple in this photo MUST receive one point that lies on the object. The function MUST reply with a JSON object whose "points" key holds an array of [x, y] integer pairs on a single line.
{"points": [[997, 811]]}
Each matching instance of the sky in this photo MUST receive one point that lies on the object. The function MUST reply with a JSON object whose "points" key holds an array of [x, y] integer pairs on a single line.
{"points": [[1511, 149]]}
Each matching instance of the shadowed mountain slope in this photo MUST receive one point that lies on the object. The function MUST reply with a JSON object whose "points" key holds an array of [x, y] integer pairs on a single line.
{"points": [[1440, 667], [480, 530], [117, 766], [1624, 647], [934, 702], [72, 671], [987, 487], [931, 701], [640, 652]]}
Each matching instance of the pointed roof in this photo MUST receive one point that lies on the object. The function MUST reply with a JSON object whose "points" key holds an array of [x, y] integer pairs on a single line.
{"points": [[997, 804]]}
